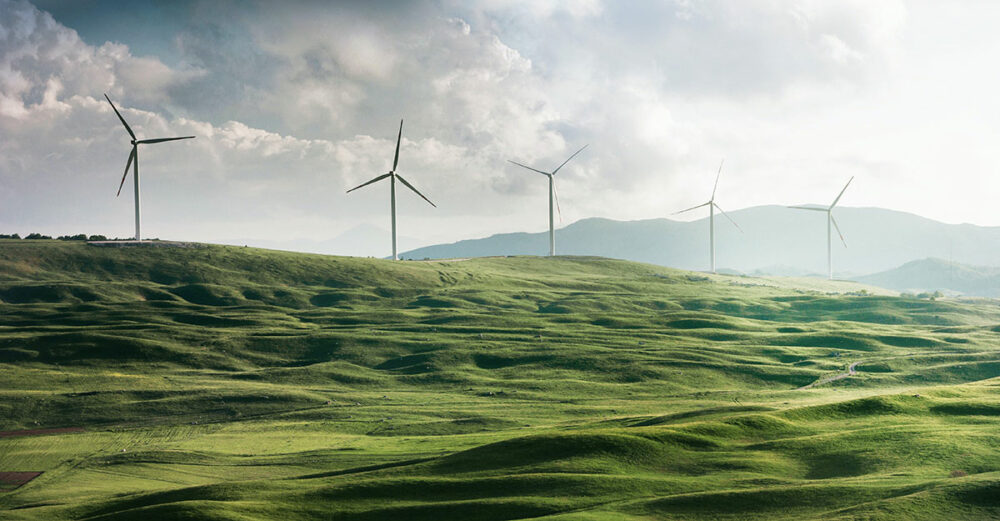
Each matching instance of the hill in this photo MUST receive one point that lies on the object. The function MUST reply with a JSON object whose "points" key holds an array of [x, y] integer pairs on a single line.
{"points": [[776, 241], [929, 275], [230, 383]]}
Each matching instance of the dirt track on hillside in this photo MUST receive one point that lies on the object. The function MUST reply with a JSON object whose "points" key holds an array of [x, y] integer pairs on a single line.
{"points": [[13, 480], [851, 371]]}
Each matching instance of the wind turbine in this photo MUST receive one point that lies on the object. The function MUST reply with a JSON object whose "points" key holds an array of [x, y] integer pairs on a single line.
{"points": [[552, 196], [133, 161], [712, 206], [392, 175], [829, 220]]}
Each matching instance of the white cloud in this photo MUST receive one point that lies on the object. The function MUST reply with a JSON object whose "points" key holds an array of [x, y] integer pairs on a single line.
{"points": [[37, 54], [293, 104]]}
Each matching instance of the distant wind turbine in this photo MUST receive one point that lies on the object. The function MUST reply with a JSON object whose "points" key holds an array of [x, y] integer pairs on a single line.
{"points": [[829, 220], [552, 196], [133, 161], [392, 175], [712, 206]]}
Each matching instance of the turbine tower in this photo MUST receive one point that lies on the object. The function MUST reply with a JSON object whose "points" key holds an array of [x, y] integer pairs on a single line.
{"points": [[133, 161], [393, 176], [552, 196], [712, 206], [829, 232]]}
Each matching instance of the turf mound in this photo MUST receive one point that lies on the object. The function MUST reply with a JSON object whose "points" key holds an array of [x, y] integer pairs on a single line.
{"points": [[235, 383]]}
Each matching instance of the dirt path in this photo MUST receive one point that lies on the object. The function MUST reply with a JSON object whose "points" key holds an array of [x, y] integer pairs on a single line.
{"points": [[851, 371], [14, 480], [39, 432]]}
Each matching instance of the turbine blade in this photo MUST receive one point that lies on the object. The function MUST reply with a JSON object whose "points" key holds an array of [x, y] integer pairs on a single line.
{"points": [[377, 179], [728, 217], [131, 156], [408, 185], [161, 140], [399, 138], [716, 187], [813, 208], [842, 192], [838, 229], [556, 194], [570, 157], [528, 167], [693, 208], [128, 128]]}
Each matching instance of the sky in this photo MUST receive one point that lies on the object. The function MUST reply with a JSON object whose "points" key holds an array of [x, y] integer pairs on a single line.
{"points": [[295, 102]]}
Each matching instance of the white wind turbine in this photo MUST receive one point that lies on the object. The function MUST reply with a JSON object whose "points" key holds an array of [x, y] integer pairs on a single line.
{"points": [[712, 206], [552, 196], [392, 175], [133, 161], [829, 220]]}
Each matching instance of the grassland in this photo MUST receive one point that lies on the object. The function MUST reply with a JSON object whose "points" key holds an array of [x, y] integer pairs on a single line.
{"points": [[226, 383]]}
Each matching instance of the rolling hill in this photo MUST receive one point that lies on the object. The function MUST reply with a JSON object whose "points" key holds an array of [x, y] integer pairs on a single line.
{"points": [[777, 241], [228, 383]]}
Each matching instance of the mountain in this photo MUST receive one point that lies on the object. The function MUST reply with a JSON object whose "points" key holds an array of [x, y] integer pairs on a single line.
{"points": [[928, 275], [776, 240]]}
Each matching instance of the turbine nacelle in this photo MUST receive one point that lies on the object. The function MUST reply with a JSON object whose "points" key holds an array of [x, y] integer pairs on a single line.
{"points": [[830, 220], [712, 206], [553, 195], [829, 210], [133, 159], [711, 202], [393, 176]]}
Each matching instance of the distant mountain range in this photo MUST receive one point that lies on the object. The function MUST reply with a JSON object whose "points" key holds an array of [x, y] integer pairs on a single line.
{"points": [[929, 275], [775, 241]]}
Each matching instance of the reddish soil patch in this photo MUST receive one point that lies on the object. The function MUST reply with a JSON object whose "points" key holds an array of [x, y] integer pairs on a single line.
{"points": [[39, 432], [12, 480]]}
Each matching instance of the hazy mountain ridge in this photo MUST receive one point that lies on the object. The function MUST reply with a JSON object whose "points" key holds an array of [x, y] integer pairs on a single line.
{"points": [[773, 236], [928, 275]]}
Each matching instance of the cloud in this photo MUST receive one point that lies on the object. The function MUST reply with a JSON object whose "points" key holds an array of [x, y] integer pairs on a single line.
{"points": [[294, 103], [38, 54]]}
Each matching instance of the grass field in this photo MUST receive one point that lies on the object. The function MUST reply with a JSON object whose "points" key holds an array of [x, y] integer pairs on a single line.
{"points": [[226, 383]]}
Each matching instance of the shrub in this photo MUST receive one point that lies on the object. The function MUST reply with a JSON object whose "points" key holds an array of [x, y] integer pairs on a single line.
{"points": [[77, 237], [36, 236], [958, 474], [97, 238], [11, 236], [930, 296]]}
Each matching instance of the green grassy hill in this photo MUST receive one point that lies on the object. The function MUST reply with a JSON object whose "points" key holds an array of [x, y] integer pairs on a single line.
{"points": [[230, 383]]}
